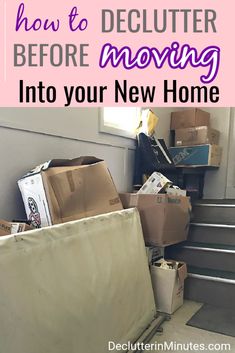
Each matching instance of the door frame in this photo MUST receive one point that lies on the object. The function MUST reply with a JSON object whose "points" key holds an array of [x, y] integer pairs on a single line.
{"points": [[230, 187]]}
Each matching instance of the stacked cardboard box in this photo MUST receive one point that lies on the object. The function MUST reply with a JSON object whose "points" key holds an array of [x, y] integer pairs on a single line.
{"points": [[195, 142], [164, 218]]}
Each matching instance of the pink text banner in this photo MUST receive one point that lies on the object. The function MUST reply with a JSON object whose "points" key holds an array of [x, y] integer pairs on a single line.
{"points": [[107, 53]]}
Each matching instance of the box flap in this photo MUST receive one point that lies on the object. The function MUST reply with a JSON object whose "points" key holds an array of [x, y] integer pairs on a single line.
{"points": [[155, 184], [82, 191], [20, 227], [182, 272], [83, 160]]}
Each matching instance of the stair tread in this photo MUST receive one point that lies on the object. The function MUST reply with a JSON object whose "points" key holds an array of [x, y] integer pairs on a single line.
{"points": [[213, 201], [208, 224], [206, 245], [219, 205], [211, 273]]}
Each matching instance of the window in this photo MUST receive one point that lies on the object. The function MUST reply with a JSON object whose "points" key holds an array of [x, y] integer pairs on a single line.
{"points": [[119, 121]]}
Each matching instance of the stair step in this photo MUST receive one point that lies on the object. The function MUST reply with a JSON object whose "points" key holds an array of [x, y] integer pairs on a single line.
{"points": [[210, 253], [212, 275], [212, 233], [215, 257], [223, 213], [216, 201], [202, 284]]}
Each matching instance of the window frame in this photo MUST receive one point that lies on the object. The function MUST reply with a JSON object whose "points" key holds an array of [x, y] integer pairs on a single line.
{"points": [[103, 128]]}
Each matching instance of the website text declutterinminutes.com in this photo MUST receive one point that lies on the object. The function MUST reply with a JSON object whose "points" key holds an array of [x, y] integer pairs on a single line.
{"points": [[171, 346]]}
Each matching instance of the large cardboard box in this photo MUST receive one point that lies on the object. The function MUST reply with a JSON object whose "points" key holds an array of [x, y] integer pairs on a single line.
{"points": [[66, 190], [200, 155], [164, 218], [168, 285], [189, 118], [196, 136]]}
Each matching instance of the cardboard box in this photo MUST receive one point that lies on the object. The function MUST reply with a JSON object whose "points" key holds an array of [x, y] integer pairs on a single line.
{"points": [[189, 118], [66, 190], [196, 136], [155, 183], [154, 253], [168, 286], [200, 155], [164, 218], [7, 228], [20, 227]]}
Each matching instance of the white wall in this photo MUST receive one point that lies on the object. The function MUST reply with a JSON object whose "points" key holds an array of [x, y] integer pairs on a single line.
{"points": [[29, 137], [216, 180]]}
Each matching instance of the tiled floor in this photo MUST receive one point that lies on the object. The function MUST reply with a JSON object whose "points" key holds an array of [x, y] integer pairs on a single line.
{"points": [[176, 331]]}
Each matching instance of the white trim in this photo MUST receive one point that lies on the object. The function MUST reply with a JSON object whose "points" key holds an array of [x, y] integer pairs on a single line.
{"points": [[212, 225], [230, 187], [210, 278], [216, 250], [221, 205]]}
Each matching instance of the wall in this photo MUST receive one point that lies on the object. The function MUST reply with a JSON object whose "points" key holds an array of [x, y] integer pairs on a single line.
{"points": [[29, 137], [216, 180], [230, 190]]}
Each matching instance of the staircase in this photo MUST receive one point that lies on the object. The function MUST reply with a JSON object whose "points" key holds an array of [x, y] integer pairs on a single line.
{"points": [[210, 254]]}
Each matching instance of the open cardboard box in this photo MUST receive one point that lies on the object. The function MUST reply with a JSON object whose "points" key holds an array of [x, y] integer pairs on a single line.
{"points": [[168, 285], [64, 190]]}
